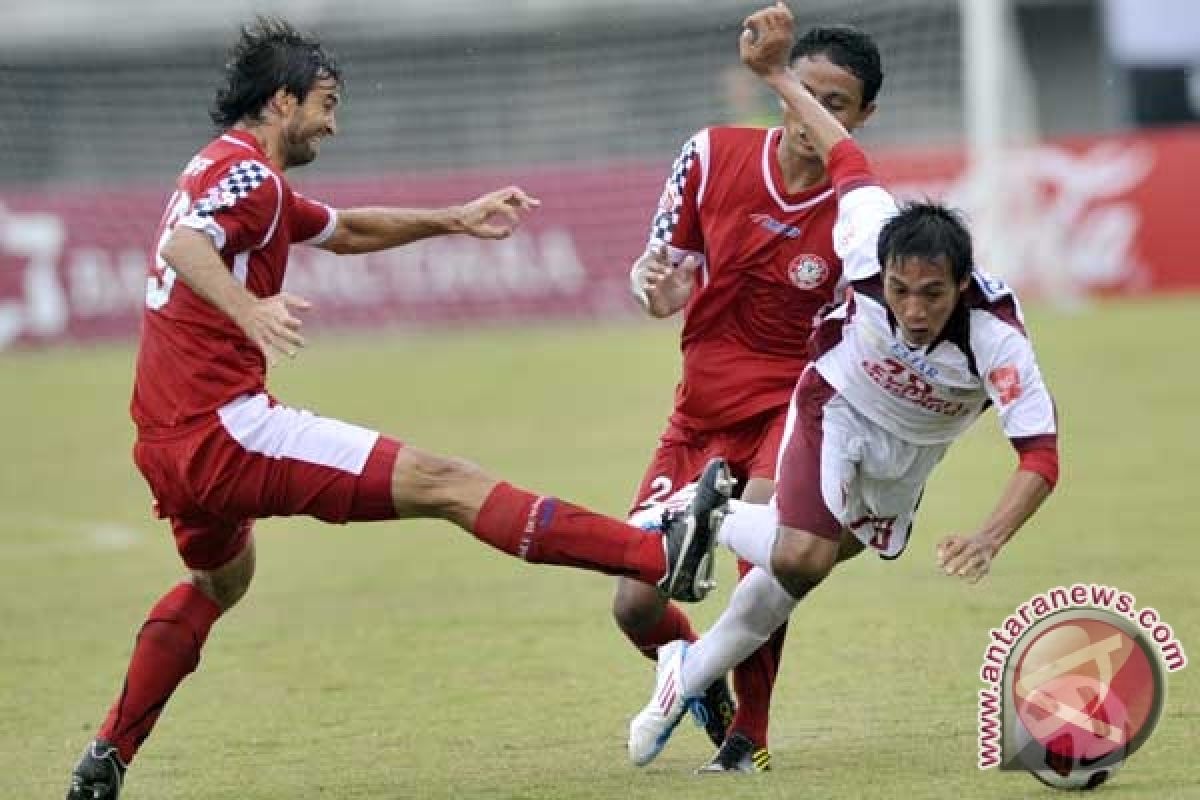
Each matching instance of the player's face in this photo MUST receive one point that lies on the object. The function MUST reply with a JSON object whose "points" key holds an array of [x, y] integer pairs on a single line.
{"points": [[836, 88], [922, 295], [311, 121]]}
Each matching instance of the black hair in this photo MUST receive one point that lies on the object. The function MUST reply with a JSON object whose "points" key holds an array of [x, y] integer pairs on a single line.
{"points": [[849, 48], [269, 55], [931, 232]]}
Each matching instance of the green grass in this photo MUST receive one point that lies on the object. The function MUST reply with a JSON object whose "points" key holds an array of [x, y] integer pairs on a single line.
{"points": [[406, 660]]}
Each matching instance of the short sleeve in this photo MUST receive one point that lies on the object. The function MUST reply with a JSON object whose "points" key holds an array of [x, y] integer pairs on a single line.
{"points": [[864, 208], [240, 210], [310, 222], [1014, 384], [677, 219]]}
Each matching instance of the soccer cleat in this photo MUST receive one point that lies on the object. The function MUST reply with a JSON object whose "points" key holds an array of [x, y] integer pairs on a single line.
{"points": [[98, 775], [654, 724], [690, 536], [714, 711], [738, 754]]}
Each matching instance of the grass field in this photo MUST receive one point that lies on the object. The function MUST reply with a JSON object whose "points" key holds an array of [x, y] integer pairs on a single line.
{"points": [[408, 661]]}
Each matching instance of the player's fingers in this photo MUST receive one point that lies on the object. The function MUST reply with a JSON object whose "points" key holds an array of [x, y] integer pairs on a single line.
{"points": [[505, 209], [294, 302], [689, 264], [288, 335], [488, 231], [520, 198]]}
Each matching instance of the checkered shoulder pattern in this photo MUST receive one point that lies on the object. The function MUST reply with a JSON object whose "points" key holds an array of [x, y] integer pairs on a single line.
{"points": [[667, 217], [242, 179]]}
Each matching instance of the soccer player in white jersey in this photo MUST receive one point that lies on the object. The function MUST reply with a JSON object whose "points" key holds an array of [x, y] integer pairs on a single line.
{"points": [[922, 345]]}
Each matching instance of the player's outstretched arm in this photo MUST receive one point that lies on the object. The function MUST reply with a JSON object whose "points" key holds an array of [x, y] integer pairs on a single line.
{"points": [[662, 289], [269, 322], [494, 215], [764, 46], [970, 557]]}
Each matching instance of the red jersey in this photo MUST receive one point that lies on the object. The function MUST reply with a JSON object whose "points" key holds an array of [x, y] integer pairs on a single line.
{"points": [[767, 267], [192, 358]]}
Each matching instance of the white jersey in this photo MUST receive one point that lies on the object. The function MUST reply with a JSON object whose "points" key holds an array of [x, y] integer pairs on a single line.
{"points": [[926, 395]]}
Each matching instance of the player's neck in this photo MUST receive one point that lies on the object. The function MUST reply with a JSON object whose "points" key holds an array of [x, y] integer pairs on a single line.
{"points": [[269, 139], [800, 172]]}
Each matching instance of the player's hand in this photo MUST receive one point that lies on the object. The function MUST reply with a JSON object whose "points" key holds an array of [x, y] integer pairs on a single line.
{"points": [[766, 40], [272, 325], [496, 214], [967, 557], [663, 287]]}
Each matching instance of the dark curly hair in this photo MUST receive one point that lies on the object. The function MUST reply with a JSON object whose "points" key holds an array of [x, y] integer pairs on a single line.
{"points": [[849, 48], [269, 55]]}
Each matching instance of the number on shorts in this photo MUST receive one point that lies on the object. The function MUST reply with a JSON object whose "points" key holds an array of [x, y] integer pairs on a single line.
{"points": [[882, 526], [660, 490]]}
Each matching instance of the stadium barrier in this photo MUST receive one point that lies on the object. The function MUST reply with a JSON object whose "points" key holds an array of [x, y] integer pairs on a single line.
{"points": [[1087, 216]]}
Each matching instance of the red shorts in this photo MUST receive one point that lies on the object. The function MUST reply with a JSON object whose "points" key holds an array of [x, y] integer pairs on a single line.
{"points": [[751, 448], [255, 459]]}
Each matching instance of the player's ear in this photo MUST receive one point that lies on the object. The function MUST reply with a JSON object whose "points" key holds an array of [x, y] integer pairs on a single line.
{"points": [[865, 114], [283, 102]]}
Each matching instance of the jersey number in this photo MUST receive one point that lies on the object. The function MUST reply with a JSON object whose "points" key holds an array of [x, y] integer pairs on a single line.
{"points": [[159, 285]]}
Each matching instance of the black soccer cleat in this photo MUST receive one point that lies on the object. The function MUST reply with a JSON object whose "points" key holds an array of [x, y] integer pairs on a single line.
{"points": [[690, 536], [738, 754], [98, 775], [714, 710]]}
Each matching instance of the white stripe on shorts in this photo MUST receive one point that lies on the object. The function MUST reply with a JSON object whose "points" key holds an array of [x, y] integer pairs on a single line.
{"points": [[282, 432]]}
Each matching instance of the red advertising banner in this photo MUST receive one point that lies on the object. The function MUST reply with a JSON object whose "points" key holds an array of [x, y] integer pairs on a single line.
{"points": [[1097, 215]]}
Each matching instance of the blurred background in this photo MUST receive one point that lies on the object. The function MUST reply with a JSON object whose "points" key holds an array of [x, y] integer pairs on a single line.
{"points": [[1065, 127], [418, 664]]}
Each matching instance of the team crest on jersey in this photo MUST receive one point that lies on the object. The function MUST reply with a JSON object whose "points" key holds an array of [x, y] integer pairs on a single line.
{"points": [[1007, 383], [808, 271]]}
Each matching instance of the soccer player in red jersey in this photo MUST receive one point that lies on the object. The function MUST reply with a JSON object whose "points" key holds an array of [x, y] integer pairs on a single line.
{"points": [[218, 451], [742, 244]]}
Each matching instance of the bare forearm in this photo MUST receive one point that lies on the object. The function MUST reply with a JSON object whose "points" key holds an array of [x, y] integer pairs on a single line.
{"points": [[1024, 494], [366, 230], [191, 254], [823, 129]]}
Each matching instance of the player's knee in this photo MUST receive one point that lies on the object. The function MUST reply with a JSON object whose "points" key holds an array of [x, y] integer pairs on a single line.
{"points": [[636, 606], [228, 584], [800, 560], [425, 484]]}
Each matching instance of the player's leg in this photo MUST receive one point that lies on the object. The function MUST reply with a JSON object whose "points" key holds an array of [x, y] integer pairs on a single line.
{"points": [[647, 619], [221, 558], [745, 749], [798, 554], [544, 529]]}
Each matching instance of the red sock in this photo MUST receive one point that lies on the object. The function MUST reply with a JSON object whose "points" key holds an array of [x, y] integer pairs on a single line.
{"points": [[754, 680], [545, 530], [166, 651], [673, 625]]}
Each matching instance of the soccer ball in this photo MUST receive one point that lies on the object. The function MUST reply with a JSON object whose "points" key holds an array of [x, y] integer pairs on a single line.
{"points": [[1059, 771], [1077, 777]]}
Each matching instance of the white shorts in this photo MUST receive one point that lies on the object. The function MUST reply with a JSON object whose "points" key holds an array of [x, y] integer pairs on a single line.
{"points": [[838, 470]]}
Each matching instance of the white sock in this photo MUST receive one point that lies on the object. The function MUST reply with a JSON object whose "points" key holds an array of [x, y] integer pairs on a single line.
{"points": [[758, 606], [749, 531]]}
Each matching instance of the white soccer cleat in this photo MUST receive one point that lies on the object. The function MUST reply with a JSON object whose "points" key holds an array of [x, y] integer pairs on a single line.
{"points": [[652, 727]]}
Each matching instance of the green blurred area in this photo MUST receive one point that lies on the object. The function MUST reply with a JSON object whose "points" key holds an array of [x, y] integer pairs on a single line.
{"points": [[406, 660]]}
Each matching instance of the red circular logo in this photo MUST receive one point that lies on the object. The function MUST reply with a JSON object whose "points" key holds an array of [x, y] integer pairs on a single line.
{"points": [[1087, 690], [808, 271]]}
